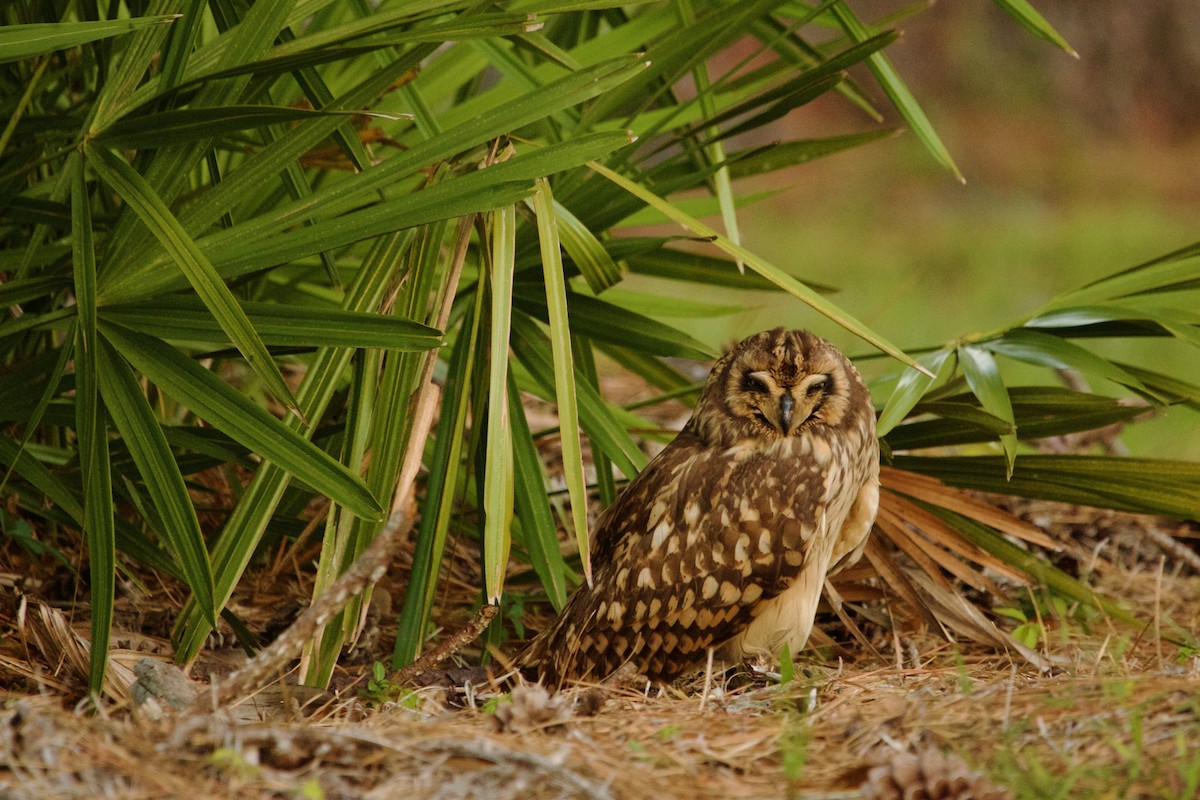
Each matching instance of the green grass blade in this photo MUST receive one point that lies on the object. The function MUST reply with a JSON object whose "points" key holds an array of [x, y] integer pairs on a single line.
{"points": [[1174, 389], [766, 160], [897, 91], [92, 431], [648, 256], [1035, 347], [564, 369], [228, 410], [759, 265], [184, 125], [540, 534], [1138, 485], [909, 390], [236, 544], [533, 349], [1181, 270], [181, 41], [441, 493], [605, 322], [1035, 23], [25, 41], [589, 255], [714, 149], [1040, 411], [192, 262], [83, 254], [186, 319], [96, 470], [983, 376], [498, 460], [142, 434]]}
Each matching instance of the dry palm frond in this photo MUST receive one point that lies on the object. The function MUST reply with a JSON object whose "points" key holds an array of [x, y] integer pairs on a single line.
{"points": [[934, 554], [47, 631]]}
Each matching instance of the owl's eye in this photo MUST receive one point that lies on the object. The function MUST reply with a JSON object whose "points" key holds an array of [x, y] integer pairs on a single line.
{"points": [[817, 386], [750, 383]]}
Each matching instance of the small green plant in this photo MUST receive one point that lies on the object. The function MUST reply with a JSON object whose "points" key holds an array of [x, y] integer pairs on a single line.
{"points": [[787, 667], [1029, 631], [380, 690], [1188, 768], [492, 703], [514, 612], [230, 761], [793, 746], [965, 684], [310, 789], [668, 732]]}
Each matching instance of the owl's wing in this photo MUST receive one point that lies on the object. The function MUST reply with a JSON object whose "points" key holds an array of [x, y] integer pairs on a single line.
{"points": [[682, 559], [852, 538]]}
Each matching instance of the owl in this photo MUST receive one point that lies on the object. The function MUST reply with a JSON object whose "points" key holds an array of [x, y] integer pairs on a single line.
{"points": [[724, 541]]}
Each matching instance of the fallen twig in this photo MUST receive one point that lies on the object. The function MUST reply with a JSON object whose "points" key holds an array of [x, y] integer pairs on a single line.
{"points": [[431, 658]]}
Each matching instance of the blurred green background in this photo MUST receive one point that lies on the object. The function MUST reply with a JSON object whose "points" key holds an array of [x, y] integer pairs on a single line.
{"points": [[1075, 169]]}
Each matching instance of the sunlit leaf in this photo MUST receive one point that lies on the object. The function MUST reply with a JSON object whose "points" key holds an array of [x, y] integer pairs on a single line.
{"points": [[909, 389], [897, 91], [1027, 15], [983, 376], [498, 467], [767, 270], [564, 368]]}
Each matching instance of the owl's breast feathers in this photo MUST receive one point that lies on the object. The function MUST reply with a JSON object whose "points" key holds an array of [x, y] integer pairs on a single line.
{"points": [[696, 548]]}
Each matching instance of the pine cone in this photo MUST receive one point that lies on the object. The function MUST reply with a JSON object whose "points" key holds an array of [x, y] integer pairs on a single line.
{"points": [[928, 775], [532, 708]]}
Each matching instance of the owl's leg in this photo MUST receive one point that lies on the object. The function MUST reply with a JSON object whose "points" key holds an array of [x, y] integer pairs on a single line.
{"points": [[786, 618]]}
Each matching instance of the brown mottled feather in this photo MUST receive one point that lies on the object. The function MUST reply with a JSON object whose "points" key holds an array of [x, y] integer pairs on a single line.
{"points": [[743, 506]]}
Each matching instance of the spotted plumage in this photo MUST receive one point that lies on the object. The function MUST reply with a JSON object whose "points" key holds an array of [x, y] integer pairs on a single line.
{"points": [[724, 541]]}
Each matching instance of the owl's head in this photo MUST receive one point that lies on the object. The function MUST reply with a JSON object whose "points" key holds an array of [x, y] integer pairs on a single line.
{"points": [[781, 383]]}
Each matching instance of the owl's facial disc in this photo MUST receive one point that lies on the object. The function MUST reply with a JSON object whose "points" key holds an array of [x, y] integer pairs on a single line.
{"points": [[784, 405], [776, 384]]}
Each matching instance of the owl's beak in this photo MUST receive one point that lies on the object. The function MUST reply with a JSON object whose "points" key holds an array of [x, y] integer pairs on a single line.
{"points": [[787, 404]]}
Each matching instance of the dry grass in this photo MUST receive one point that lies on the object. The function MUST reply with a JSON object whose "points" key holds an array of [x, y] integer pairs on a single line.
{"points": [[1107, 726], [1118, 717]]}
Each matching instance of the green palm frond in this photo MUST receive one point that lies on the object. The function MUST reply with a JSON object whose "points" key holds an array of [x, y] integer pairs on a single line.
{"points": [[248, 234]]}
